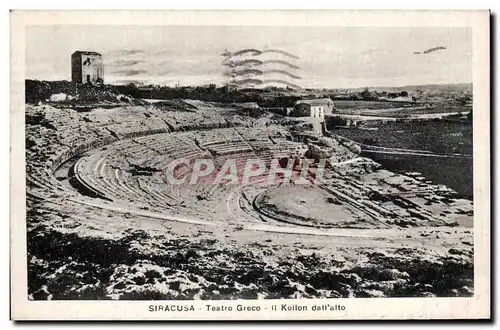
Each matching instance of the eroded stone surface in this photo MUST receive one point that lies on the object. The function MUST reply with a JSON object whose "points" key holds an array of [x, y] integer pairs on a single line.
{"points": [[103, 224]]}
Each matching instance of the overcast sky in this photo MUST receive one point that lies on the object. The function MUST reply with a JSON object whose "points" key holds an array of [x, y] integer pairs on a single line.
{"points": [[330, 57]]}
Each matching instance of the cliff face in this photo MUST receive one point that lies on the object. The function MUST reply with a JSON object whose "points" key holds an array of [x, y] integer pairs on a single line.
{"points": [[331, 149], [318, 152]]}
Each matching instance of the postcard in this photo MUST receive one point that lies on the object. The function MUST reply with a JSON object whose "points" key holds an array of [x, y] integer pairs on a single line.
{"points": [[250, 165]]}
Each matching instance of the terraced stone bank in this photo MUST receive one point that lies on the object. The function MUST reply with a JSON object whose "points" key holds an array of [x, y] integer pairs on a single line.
{"points": [[125, 233]]}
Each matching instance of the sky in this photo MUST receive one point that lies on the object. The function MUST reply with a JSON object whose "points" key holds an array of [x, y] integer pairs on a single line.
{"points": [[328, 57]]}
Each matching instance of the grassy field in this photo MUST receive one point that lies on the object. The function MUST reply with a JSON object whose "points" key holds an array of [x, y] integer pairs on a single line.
{"points": [[396, 109], [356, 105], [407, 112], [439, 136], [435, 109]]}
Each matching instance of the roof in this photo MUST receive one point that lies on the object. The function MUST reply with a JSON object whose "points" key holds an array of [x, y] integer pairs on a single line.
{"points": [[315, 101], [83, 52]]}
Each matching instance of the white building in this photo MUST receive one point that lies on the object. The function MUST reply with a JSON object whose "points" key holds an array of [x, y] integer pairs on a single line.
{"points": [[314, 108]]}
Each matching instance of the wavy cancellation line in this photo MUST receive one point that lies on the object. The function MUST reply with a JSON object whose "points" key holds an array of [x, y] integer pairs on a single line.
{"points": [[259, 82], [254, 62], [257, 52], [249, 71], [256, 72]]}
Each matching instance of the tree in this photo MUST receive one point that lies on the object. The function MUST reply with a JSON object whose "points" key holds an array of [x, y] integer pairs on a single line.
{"points": [[366, 95]]}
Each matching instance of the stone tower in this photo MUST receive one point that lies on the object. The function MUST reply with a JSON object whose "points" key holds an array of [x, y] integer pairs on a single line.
{"points": [[86, 67]]}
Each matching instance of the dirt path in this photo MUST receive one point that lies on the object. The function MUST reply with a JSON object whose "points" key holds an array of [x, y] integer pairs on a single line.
{"points": [[406, 234]]}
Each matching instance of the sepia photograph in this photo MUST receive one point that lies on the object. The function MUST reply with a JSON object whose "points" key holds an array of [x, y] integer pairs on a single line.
{"points": [[250, 169]]}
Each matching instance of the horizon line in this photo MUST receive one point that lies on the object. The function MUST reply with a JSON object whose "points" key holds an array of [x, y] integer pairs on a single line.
{"points": [[116, 83]]}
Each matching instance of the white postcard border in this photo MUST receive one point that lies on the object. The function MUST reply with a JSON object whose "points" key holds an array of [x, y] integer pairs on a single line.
{"points": [[356, 308]]}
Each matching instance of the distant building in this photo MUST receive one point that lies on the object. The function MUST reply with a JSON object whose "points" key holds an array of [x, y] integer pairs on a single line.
{"points": [[86, 67], [315, 108]]}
